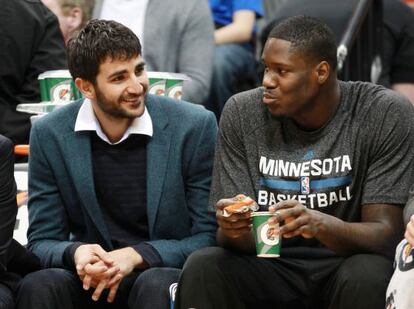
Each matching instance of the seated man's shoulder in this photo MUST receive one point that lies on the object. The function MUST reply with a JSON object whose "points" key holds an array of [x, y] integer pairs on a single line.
{"points": [[245, 106], [378, 99]]}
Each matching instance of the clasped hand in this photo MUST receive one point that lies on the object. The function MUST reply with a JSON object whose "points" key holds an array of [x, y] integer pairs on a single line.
{"points": [[104, 270]]}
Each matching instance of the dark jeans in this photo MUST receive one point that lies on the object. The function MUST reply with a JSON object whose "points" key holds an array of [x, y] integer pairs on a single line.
{"points": [[217, 278], [56, 288], [234, 65]]}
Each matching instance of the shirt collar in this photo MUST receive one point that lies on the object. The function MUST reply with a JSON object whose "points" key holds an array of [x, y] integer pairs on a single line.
{"points": [[87, 121]]}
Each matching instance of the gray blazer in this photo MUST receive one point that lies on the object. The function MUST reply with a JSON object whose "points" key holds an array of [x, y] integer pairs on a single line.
{"points": [[63, 207], [179, 37]]}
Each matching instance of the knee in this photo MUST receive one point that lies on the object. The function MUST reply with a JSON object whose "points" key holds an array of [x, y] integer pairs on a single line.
{"points": [[155, 279], [207, 263], [6, 299], [369, 271]]}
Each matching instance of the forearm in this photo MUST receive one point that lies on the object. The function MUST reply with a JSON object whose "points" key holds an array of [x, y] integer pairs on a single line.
{"points": [[346, 238], [239, 31], [244, 244]]}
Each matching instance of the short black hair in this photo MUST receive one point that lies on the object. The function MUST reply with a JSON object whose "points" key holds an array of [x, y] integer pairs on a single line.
{"points": [[97, 41], [309, 36]]}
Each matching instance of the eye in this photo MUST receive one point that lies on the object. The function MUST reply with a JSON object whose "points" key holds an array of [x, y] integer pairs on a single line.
{"points": [[281, 71], [118, 78]]}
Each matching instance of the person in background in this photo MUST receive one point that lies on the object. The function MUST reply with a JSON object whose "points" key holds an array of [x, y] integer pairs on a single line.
{"points": [[234, 54], [118, 183], [397, 35], [72, 14], [330, 160], [30, 43], [400, 292], [176, 36], [15, 260]]}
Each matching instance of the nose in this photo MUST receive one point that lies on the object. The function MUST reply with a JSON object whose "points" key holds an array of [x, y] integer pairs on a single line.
{"points": [[269, 81], [135, 85]]}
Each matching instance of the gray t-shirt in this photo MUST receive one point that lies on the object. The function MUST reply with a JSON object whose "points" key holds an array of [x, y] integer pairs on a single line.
{"points": [[363, 155]]}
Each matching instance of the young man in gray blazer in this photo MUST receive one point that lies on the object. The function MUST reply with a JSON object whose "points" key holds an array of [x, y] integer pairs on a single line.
{"points": [[118, 183]]}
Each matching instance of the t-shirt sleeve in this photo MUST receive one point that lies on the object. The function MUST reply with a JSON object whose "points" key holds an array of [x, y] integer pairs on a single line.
{"points": [[231, 175], [251, 5], [391, 139]]}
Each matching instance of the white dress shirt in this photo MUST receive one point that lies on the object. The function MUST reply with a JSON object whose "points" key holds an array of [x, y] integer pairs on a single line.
{"points": [[87, 121]]}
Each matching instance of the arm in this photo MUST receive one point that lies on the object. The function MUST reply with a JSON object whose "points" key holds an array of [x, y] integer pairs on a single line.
{"points": [[8, 206], [196, 52], [198, 155], [47, 238], [239, 31], [231, 177], [378, 232]]}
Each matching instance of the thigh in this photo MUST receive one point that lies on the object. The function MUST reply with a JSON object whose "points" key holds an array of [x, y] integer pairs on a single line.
{"points": [[360, 282], [251, 278], [51, 288]]}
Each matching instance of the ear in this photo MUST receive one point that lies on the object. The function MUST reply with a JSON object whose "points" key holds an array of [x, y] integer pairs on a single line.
{"points": [[74, 19], [322, 72], [86, 87]]}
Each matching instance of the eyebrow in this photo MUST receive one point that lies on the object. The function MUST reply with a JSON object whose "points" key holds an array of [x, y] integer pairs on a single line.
{"points": [[140, 65]]}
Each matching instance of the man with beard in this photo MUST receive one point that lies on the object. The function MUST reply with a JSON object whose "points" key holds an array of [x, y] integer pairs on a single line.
{"points": [[119, 183], [328, 159]]}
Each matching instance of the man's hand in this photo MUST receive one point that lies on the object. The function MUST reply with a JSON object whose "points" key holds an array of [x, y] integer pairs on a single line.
{"points": [[234, 226], [409, 232], [87, 256], [125, 260], [297, 219]]}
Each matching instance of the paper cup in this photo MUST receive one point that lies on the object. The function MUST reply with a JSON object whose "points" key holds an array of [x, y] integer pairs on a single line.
{"points": [[267, 240], [58, 86], [168, 84]]}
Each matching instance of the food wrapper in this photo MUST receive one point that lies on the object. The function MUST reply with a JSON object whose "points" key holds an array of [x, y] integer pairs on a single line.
{"points": [[241, 204]]}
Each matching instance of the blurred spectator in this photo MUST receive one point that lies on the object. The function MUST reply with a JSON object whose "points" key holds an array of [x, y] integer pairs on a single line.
{"points": [[72, 14], [398, 35], [234, 60], [176, 36], [15, 261], [30, 43]]}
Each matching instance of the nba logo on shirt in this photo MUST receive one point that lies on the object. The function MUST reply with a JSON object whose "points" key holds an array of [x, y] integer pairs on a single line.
{"points": [[304, 185]]}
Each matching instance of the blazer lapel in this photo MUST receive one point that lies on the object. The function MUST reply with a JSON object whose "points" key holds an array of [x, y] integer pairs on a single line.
{"points": [[78, 149], [157, 158]]}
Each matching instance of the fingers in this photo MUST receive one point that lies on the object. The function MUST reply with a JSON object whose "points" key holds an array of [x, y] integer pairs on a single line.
{"points": [[112, 292], [99, 289], [102, 254], [84, 260], [96, 268], [87, 282], [224, 202], [409, 232], [115, 279]]}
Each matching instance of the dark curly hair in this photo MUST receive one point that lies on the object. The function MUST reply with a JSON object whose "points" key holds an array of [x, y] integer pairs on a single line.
{"points": [[96, 42]]}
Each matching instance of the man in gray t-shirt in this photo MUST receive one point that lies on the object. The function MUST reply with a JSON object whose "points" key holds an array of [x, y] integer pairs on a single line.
{"points": [[331, 160]]}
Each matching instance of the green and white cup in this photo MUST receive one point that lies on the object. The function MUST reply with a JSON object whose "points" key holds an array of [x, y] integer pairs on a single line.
{"points": [[58, 86], [267, 239], [168, 84]]}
